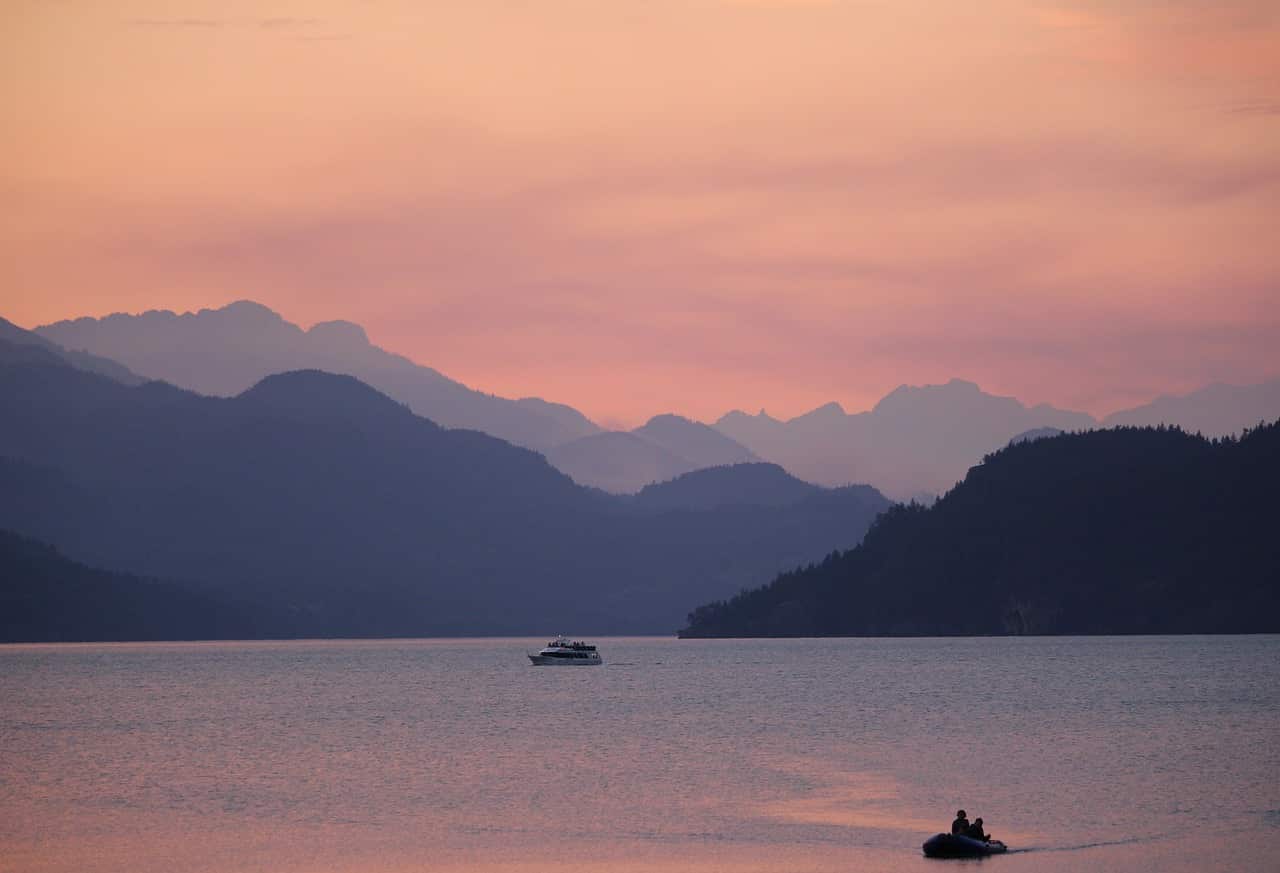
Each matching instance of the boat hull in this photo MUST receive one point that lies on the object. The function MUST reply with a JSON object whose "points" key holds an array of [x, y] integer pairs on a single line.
{"points": [[956, 846], [549, 661]]}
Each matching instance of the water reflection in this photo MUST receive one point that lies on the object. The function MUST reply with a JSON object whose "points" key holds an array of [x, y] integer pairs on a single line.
{"points": [[731, 756]]}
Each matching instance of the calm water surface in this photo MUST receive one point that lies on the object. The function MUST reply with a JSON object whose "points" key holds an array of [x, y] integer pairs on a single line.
{"points": [[1143, 753]]}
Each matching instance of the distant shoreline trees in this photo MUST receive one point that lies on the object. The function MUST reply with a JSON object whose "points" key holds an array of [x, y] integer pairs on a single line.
{"points": [[1126, 530]]}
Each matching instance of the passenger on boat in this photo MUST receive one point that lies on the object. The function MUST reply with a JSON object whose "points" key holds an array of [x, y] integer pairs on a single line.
{"points": [[961, 824], [975, 831]]}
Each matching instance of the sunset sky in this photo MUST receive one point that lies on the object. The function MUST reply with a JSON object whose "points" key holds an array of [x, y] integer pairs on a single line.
{"points": [[640, 206]]}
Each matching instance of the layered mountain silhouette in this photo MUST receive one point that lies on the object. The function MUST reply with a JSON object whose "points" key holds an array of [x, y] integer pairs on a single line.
{"points": [[222, 352], [1213, 411], [921, 440], [45, 597], [917, 439], [665, 447], [335, 510], [1125, 530], [739, 484], [24, 345], [917, 442]]}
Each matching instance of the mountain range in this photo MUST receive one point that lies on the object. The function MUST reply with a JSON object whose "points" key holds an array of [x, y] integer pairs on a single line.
{"points": [[335, 510], [1123, 530], [918, 441], [222, 352], [311, 504], [663, 448], [923, 438]]}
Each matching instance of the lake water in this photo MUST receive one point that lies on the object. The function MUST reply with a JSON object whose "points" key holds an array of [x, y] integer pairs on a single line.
{"points": [[1142, 753]]}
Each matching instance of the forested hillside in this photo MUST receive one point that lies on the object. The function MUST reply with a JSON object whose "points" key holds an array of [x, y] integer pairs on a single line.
{"points": [[1128, 530], [45, 597]]}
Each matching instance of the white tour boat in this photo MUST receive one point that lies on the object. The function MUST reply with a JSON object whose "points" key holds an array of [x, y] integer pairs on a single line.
{"points": [[562, 651]]}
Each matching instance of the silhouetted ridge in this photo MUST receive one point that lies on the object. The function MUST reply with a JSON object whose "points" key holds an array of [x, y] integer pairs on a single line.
{"points": [[616, 461], [905, 393], [922, 438], [24, 353], [45, 597], [340, 513], [737, 484], [738, 416], [1215, 410], [917, 439], [24, 345], [700, 445], [320, 394], [825, 413], [664, 447], [226, 351], [1114, 531], [245, 312], [340, 333], [1036, 433]]}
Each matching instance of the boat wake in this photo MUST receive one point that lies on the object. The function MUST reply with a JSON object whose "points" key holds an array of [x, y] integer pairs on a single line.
{"points": [[1082, 846]]}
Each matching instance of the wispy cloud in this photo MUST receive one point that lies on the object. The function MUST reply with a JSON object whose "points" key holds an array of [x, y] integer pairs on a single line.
{"points": [[1259, 108], [279, 23], [178, 23], [266, 23]]}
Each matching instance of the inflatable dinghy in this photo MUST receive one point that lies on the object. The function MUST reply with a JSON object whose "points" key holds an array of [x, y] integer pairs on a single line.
{"points": [[956, 846]]}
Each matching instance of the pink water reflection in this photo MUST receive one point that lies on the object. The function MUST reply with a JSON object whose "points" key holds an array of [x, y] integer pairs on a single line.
{"points": [[739, 756]]}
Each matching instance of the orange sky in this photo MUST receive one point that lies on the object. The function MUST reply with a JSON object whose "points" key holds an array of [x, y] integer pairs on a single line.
{"points": [[637, 206]]}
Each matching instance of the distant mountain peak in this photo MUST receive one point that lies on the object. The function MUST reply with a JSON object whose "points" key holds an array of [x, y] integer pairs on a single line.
{"points": [[667, 418], [246, 310], [701, 445], [663, 448], [736, 421], [825, 411], [340, 333], [743, 484], [227, 350], [321, 394], [304, 379], [897, 395], [245, 305], [910, 397]]}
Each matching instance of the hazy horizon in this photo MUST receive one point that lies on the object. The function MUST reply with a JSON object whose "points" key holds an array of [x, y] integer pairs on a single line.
{"points": [[783, 412]]}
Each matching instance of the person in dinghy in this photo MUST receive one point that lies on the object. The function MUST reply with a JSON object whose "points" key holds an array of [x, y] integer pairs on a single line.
{"points": [[966, 840]]}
